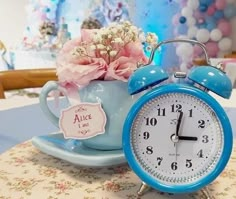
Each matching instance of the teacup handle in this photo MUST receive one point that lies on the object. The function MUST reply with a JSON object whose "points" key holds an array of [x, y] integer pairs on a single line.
{"points": [[48, 87]]}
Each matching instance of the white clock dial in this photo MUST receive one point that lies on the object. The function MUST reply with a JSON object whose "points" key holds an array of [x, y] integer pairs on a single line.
{"points": [[172, 151]]}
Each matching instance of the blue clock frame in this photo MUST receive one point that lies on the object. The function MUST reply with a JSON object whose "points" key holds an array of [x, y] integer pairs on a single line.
{"points": [[191, 90]]}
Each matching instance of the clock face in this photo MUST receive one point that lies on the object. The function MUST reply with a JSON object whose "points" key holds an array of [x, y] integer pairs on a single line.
{"points": [[176, 138]]}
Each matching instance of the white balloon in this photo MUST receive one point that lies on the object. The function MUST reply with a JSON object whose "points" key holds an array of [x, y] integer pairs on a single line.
{"points": [[225, 44], [192, 32], [183, 67], [203, 35], [191, 21], [194, 4], [187, 12], [184, 50], [216, 35]]}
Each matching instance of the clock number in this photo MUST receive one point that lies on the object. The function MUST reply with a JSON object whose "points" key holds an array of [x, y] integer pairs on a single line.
{"points": [[146, 135], [151, 121], [200, 154], [190, 113], [159, 160], [189, 163], [205, 139], [201, 124], [161, 112], [149, 150], [176, 107], [174, 166]]}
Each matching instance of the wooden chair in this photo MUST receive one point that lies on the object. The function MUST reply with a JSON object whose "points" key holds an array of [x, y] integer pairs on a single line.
{"points": [[26, 78]]}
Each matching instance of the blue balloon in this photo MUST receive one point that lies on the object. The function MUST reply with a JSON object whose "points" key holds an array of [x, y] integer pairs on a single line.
{"points": [[210, 26], [206, 2], [182, 30], [182, 19], [202, 26], [203, 7], [218, 14], [230, 11]]}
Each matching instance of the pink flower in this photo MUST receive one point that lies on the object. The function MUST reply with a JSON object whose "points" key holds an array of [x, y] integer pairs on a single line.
{"points": [[77, 69], [81, 72], [110, 53], [126, 63]]}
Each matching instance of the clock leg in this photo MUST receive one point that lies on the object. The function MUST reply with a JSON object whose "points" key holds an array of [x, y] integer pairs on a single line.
{"points": [[143, 189]]}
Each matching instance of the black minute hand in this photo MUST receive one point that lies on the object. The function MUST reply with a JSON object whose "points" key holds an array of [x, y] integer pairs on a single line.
{"points": [[189, 138], [178, 123]]}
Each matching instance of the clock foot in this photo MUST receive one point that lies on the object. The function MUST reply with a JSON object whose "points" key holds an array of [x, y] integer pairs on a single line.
{"points": [[143, 189], [207, 194]]}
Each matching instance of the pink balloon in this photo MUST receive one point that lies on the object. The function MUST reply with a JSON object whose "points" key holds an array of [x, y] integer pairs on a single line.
{"points": [[175, 19], [212, 49], [211, 10], [198, 15], [225, 27], [220, 4], [197, 51]]}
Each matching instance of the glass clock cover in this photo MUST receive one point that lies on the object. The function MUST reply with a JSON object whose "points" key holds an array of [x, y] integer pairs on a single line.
{"points": [[177, 138], [145, 77]]}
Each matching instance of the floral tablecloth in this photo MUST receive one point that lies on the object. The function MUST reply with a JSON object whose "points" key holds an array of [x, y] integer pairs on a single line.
{"points": [[25, 172]]}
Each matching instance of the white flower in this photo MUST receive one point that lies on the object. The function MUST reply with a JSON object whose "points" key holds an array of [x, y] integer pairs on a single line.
{"points": [[93, 47], [117, 40], [151, 38], [103, 52], [113, 53], [79, 51], [101, 46]]}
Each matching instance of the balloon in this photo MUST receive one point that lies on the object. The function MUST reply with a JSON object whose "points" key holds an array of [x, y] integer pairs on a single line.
{"points": [[211, 10], [181, 29], [197, 14], [210, 23], [220, 4], [203, 35], [193, 4], [197, 51], [175, 19], [203, 7], [230, 11], [225, 44], [218, 14], [184, 50], [191, 21], [210, 26], [215, 35], [183, 67], [206, 2], [192, 32], [186, 12], [212, 49], [225, 27], [182, 19]]}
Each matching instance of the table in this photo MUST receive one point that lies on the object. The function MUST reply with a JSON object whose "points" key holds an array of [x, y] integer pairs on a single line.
{"points": [[26, 173]]}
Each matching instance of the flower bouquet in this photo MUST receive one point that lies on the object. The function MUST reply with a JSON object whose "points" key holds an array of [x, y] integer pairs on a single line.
{"points": [[94, 69], [109, 53]]}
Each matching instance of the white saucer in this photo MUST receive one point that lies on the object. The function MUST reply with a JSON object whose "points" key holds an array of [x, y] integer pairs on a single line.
{"points": [[75, 152]]}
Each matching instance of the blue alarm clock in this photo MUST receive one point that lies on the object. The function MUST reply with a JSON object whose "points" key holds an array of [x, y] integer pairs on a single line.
{"points": [[177, 138]]}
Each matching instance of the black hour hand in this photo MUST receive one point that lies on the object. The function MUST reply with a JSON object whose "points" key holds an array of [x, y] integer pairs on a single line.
{"points": [[188, 138]]}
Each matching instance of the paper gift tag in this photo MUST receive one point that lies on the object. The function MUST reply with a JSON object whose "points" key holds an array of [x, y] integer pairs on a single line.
{"points": [[83, 121]]}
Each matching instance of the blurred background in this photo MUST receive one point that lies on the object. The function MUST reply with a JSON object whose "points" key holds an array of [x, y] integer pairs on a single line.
{"points": [[33, 31]]}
